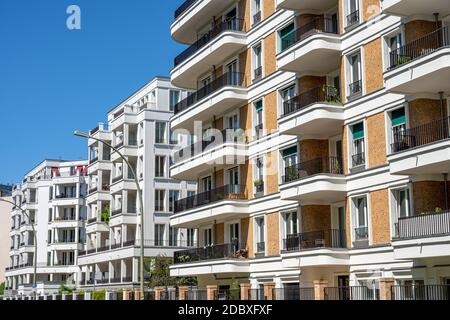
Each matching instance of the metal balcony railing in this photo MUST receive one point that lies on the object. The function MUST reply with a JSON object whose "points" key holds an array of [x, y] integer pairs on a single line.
{"points": [[257, 74], [355, 89], [352, 293], [358, 159], [117, 178], [234, 79], [420, 47], [325, 94], [423, 225], [184, 7], [421, 135], [324, 165], [293, 293], [221, 251], [316, 25], [315, 239], [197, 294], [234, 24], [352, 19], [212, 196], [420, 292], [361, 233], [228, 294]]}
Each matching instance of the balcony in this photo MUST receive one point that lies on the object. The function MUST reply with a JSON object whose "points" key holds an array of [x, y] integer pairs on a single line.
{"points": [[223, 40], [317, 181], [315, 114], [315, 248], [421, 292], [67, 200], [225, 202], [422, 65], [422, 236], [219, 149], [314, 48], [415, 7], [421, 150], [307, 5], [194, 13], [219, 96]]}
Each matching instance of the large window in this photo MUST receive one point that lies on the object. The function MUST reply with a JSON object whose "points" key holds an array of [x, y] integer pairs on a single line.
{"points": [[173, 196], [173, 237], [361, 218], [289, 161], [258, 119], [160, 132], [257, 62], [354, 75], [398, 124], [159, 234], [174, 99], [352, 13], [208, 237], [160, 165], [358, 145], [287, 36], [159, 200], [260, 235]]}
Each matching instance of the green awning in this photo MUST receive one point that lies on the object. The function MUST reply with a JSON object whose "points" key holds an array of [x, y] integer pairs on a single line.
{"points": [[358, 131], [289, 151], [398, 117]]}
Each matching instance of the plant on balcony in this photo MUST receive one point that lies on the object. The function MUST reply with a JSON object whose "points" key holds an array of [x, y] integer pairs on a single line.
{"points": [[331, 94], [59, 219], [105, 215], [184, 258], [403, 59], [259, 182], [66, 288], [234, 290], [335, 166], [291, 174]]}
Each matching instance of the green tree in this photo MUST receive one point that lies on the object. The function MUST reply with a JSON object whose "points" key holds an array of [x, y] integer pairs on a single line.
{"points": [[2, 289], [158, 271]]}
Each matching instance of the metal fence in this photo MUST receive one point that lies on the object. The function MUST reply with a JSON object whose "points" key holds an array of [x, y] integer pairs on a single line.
{"points": [[421, 292], [293, 293], [352, 293]]}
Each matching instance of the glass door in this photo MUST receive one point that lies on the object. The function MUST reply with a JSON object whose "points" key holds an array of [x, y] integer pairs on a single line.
{"points": [[232, 73], [206, 184], [233, 180], [234, 235]]}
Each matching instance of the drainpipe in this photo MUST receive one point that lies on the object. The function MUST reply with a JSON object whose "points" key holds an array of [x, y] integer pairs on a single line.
{"points": [[446, 190], [436, 19]]}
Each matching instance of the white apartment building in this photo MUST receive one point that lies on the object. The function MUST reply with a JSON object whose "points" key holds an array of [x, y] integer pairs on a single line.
{"points": [[343, 182], [5, 213], [53, 195], [139, 128]]}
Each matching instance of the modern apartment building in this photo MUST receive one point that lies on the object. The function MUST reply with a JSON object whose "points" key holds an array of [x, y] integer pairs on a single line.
{"points": [[331, 148], [53, 195], [5, 214], [139, 128]]}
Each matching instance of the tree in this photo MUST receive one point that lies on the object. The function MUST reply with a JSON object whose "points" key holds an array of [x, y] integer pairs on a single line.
{"points": [[158, 269], [2, 289]]}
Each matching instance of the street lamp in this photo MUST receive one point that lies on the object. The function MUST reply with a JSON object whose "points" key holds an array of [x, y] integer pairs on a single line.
{"points": [[141, 202], [35, 242]]}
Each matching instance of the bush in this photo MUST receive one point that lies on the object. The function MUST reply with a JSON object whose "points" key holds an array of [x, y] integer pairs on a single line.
{"points": [[99, 295], [2, 289]]}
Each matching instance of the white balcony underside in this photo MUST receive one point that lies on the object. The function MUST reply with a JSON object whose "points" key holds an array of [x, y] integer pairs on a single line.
{"points": [[220, 211], [431, 247], [217, 103], [318, 54], [429, 159], [97, 227], [319, 121], [307, 5], [427, 74], [185, 75], [100, 165], [318, 257], [233, 266], [318, 189], [416, 7], [124, 218], [98, 196]]}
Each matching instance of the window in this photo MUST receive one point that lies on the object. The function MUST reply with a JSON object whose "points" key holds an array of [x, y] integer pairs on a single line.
{"points": [[358, 146], [206, 184], [257, 62], [395, 42], [260, 238], [190, 194], [160, 132], [290, 160], [361, 219], [174, 99], [233, 179], [259, 175], [352, 13], [259, 126], [159, 234], [160, 165], [208, 237], [173, 237], [354, 75], [190, 237], [287, 36], [291, 223], [159, 200], [173, 196], [256, 11], [398, 124], [402, 203], [234, 234], [286, 99], [173, 138]]}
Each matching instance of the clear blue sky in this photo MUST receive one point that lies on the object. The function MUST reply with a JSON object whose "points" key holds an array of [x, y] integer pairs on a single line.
{"points": [[53, 81]]}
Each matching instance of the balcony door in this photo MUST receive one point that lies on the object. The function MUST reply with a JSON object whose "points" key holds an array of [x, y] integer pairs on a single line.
{"points": [[208, 237], [206, 184], [231, 70], [233, 179], [230, 19], [361, 219], [233, 234]]}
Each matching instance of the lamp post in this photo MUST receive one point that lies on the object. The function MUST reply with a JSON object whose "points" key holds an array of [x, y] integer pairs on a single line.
{"points": [[35, 242], [141, 202]]}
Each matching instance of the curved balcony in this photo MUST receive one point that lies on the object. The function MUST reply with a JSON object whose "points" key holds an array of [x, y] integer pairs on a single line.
{"points": [[223, 40], [194, 13], [315, 48], [229, 201], [317, 181], [315, 114], [416, 7], [422, 65], [307, 5], [219, 149]]}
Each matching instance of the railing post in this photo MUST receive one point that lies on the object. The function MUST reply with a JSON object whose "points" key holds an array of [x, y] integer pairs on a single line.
{"points": [[245, 291], [158, 292], [268, 290], [385, 285], [182, 292], [211, 292], [126, 294], [319, 289]]}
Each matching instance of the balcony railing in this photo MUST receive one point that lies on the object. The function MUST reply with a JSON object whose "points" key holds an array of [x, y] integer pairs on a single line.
{"points": [[420, 47], [423, 225], [293, 293], [317, 25], [352, 19], [325, 94], [230, 25], [361, 233], [315, 240], [197, 294], [352, 293], [184, 7], [222, 251], [235, 79], [116, 212], [421, 135], [358, 159], [421, 292], [355, 89], [117, 178], [212, 196], [325, 165], [257, 18], [225, 136]]}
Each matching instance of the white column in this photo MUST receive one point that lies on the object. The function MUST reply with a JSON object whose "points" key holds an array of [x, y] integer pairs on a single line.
{"points": [[135, 266], [123, 269]]}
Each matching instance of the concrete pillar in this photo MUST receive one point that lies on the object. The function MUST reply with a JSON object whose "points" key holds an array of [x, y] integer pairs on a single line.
{"points": [[135, 270], [126, 294], [88, 295], [211, 292], [158, 291], [182, 292], [125, 199], [138, 294], [245, 291], [110, 271], [123, 269], [319, 289], [385, 285], [268, 290]]}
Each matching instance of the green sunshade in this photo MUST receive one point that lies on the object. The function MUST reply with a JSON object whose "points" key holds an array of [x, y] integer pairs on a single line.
{"points": [[289, 151], [358, 131], [398, 117]]}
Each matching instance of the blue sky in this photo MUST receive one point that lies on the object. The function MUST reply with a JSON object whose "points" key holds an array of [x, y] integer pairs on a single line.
{"points": [[54, 81]]}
